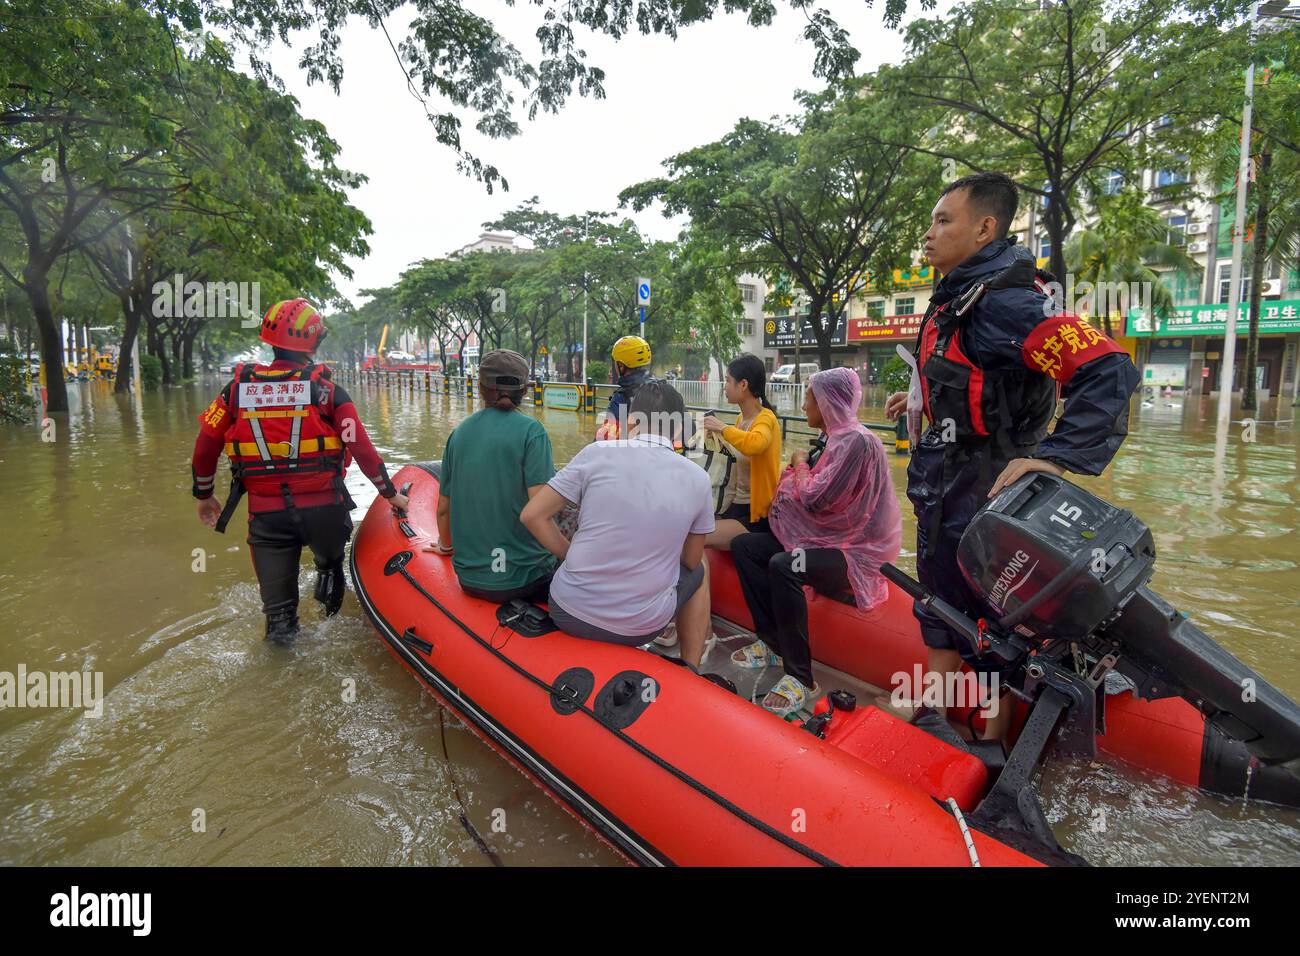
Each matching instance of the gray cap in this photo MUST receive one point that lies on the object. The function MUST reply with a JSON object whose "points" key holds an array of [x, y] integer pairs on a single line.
{"points": [[503, 368]]}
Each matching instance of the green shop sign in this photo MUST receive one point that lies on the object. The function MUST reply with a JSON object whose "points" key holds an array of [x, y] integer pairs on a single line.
{"points": [[1274, 316]]}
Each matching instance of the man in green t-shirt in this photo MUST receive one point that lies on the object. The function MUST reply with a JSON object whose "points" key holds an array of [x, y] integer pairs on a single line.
{"points": [[495, 461]]}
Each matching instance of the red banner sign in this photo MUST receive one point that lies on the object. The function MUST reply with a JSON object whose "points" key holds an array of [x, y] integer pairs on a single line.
{"points": [[894, 328]]}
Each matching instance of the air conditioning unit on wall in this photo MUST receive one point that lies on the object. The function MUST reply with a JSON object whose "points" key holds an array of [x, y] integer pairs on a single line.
{"points": [[1197, 228], [1271, 287], [1196, 247]]}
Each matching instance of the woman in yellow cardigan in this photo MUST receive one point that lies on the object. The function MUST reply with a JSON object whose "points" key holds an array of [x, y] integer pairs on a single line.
{"points": [[757, 436]]}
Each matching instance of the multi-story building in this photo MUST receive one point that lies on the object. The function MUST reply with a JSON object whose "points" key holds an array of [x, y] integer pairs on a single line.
{"points": [[866, 330], [490, 242], [1181, 351], [753, 290]]}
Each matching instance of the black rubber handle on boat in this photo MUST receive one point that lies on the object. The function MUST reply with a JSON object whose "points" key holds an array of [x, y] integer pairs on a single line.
{"points": [[950, 615], [400, 513], [904, 581]]}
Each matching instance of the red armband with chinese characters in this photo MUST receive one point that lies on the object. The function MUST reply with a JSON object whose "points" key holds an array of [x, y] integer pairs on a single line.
{"points": [[1059, 346]]}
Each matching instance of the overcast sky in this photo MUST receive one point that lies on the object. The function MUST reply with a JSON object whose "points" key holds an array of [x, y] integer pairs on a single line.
{"points": [[662, 96]]}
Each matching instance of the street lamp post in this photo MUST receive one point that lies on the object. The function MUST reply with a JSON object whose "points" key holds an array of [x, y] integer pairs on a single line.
{"points": [[798, 338], [585, 236], [1280, 10]]}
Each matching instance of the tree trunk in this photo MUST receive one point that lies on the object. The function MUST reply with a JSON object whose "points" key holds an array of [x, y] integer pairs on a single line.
{"points": [[1249, 400], [178, 371], [205, 349], [187, 355], [816, 318], [38, 294], [130, 331], [158, 349], [1056, 234]]}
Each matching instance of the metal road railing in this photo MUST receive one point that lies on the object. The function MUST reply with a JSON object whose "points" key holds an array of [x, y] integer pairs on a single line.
{"points": [[787, 397]]}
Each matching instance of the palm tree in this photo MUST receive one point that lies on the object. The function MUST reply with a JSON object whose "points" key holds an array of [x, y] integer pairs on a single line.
{"points": [[1128, 243]]}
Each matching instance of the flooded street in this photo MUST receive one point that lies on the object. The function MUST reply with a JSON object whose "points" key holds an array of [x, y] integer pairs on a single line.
{"points": [[216, 748]]}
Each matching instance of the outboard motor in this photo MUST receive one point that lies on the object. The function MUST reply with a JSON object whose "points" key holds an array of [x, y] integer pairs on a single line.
{"points": [[1064, 573]]}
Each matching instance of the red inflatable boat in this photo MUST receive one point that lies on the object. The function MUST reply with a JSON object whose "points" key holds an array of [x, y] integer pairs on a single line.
{"points": [[671, 768]]}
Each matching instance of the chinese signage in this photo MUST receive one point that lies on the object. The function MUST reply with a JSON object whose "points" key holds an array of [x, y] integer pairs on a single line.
{"points": [[562, 396], [895, 328], [912, 278], [1274, 316], [778, 331], [266, 394]]}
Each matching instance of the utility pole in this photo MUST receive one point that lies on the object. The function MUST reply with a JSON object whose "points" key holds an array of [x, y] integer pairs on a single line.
{"points": [[798, 337], [586, 223], [1229, 361]]}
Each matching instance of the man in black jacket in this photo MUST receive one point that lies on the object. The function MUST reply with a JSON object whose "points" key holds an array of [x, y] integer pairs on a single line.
{"points": [[994, 351]]}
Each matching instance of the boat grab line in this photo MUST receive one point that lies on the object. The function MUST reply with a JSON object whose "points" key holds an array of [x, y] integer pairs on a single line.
{"points": [[680, 774]]}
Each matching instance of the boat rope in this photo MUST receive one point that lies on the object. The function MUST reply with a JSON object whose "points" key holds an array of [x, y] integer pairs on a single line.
{"points": [[455, 788], [965, 833], [567, 695]]}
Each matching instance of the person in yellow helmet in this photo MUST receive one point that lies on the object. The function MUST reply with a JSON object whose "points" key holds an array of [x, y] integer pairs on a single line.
{"points": [[631, 355]]}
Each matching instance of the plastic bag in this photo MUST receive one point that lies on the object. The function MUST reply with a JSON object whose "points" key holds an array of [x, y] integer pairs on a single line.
{"points": [[913, 396], [718, 457]]}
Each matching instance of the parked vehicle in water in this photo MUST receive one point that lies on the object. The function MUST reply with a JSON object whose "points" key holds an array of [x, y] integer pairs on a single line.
{"points": [[786, 372]]}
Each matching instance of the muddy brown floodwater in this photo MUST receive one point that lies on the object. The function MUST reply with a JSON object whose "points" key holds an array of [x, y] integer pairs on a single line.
{"points": [[214, 747]]}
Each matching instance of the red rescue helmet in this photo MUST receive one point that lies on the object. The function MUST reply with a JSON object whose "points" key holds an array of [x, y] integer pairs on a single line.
{"points": [[293, 324]]}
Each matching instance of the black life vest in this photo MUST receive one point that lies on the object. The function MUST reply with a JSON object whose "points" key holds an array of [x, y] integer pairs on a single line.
{"points": [[966, 403]]}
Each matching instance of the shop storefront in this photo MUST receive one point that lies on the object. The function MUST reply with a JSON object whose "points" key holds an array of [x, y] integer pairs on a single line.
{"points": [[778, 334], [1187, 346], [876, 340], [1167, 364]]}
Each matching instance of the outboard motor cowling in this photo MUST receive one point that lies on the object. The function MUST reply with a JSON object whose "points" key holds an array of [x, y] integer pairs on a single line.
{"points": [[1062, 568], [1051, 560]]}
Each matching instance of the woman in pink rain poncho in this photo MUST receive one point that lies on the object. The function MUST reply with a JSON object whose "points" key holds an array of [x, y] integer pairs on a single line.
{"points": [[834, 522]]}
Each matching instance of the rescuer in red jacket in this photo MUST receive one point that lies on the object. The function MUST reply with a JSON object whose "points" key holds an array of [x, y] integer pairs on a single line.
{"points": [[290, 434]]}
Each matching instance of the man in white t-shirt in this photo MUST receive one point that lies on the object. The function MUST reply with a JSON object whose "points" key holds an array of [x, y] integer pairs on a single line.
{"points": [[636, 562]]}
